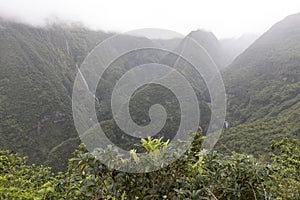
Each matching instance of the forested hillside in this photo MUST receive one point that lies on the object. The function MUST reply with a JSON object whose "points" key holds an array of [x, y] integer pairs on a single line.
{"points": [[263, 89], [38, 66]]}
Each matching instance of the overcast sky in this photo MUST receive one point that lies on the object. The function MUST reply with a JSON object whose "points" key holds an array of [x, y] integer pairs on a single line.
{"points": [[226, 18]]}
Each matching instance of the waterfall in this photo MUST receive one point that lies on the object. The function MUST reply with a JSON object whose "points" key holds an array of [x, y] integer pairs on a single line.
{"points": [[86, 84], [68, 50]]}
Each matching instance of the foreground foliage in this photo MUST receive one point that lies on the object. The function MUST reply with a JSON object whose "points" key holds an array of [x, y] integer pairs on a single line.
{"points": [[196, 175]]}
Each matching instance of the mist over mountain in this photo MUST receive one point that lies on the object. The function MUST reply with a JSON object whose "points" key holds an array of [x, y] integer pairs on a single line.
{"points": [[235, 46], [223, 51]]}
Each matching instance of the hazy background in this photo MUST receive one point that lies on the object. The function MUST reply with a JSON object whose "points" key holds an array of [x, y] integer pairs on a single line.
{"points": [[230, 18]]}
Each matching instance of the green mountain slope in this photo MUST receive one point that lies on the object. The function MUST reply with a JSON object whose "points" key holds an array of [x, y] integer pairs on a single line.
{"points": [[263, 88], [37, 68], [37, 71], [212, 45]]}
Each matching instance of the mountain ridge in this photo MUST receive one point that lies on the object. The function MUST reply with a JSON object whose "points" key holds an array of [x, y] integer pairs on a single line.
{"points": [[263, 86]]}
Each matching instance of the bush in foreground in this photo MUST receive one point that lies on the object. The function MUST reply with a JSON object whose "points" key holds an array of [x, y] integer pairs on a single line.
{"points": [[196, 175]]}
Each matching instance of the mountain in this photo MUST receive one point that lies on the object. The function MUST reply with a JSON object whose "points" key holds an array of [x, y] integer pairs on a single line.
{"points": [[263, 89], [211, 44], [37, 69], [38, 66]]}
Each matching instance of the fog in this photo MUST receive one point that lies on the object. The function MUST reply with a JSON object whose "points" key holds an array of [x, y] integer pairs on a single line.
{"points": [[230, 18]]}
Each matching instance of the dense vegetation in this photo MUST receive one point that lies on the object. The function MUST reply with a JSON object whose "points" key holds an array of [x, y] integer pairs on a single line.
{"points": [[263, 89], [263, 82], [196, 175], [38, 66]]}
